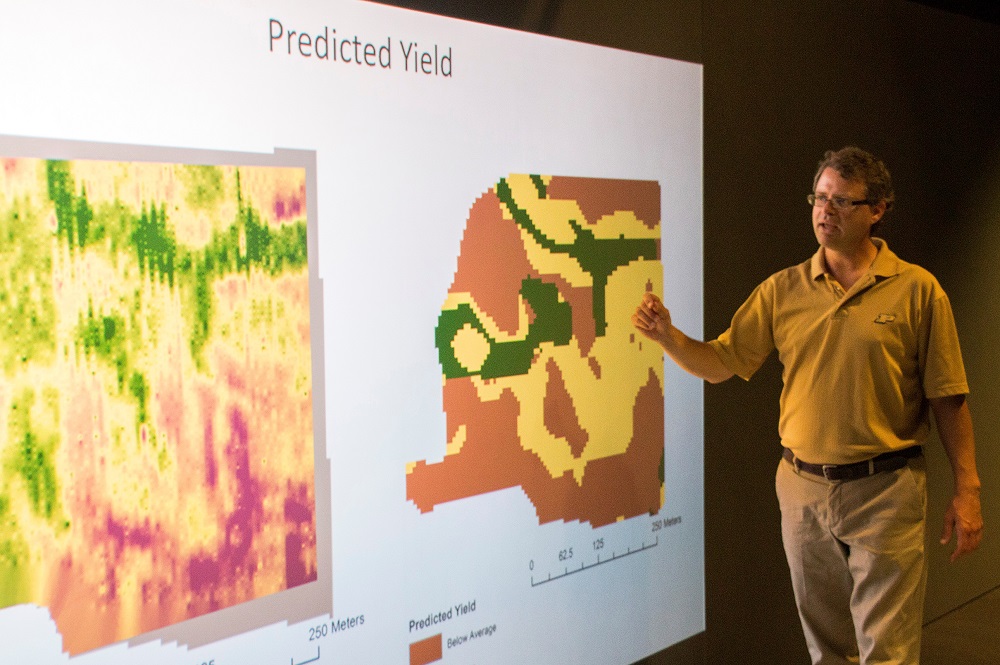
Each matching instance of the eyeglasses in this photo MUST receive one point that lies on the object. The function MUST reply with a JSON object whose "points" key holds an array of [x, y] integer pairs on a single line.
{"points": [[838, 202]]}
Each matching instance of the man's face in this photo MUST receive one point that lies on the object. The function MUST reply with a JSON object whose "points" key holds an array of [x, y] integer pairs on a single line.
{"points": [[843, 229]]}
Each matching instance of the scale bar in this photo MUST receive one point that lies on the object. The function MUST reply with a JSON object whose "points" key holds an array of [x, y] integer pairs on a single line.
{"points": [[585, 566]]}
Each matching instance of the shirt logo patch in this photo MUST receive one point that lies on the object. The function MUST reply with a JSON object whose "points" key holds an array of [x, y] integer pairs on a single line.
{"points": [[885, 318]]}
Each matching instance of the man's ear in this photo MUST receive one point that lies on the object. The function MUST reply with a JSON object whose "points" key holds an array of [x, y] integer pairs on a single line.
{"points": [[878, 210]]}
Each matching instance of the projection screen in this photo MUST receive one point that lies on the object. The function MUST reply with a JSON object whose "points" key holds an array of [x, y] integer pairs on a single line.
{"points": [[316, 342]]}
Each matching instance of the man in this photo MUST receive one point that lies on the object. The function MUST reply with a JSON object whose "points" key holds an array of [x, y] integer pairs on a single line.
{"points": [[868, 346]]}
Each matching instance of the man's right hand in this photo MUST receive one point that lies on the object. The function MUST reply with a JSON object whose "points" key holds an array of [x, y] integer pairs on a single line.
{"points": [[652, 319]]}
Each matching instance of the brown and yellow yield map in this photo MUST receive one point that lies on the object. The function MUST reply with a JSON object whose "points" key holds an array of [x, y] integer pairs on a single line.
{"points": [[546, 386], [156, 430]]}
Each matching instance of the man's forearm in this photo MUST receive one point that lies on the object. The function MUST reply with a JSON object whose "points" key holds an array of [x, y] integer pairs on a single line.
{"points": [[954, 424], [695, 357], [964, 516]]}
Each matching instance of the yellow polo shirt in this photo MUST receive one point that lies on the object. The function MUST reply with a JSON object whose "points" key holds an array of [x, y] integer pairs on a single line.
{"points": [[858, 366]]}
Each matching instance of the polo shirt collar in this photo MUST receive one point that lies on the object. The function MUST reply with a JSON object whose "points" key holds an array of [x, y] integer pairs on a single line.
{"points": [[886, 262]]}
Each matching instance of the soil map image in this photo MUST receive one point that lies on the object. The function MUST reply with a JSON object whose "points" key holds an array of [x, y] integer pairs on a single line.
{"points": [[156, 427], [546, 386]]}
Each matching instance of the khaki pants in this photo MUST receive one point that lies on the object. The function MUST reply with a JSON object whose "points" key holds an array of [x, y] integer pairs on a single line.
{"points": [[855, 550]]}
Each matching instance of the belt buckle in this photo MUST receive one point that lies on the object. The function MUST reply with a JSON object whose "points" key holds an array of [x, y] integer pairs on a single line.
{"points": [[827, 468]]}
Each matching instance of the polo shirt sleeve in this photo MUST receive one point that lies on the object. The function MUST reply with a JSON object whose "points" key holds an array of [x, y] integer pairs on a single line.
{"points": [[943, 369], [750, 337]]}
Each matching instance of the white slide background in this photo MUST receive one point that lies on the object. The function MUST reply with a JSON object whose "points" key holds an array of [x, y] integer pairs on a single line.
{"points": [[401, 156]]}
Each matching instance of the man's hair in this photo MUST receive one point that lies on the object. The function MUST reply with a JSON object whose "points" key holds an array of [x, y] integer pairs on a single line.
{"points": [[853, 163]]}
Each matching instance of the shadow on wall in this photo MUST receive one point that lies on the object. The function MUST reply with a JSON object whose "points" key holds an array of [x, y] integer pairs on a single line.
{"points": [[970, 279]]}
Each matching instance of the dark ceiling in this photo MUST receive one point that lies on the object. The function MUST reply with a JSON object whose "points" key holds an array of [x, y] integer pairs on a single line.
{"points": [[511, 13], [984, 10]]}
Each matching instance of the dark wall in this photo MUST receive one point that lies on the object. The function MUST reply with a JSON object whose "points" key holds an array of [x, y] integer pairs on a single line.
{"points": [[784, 81]]}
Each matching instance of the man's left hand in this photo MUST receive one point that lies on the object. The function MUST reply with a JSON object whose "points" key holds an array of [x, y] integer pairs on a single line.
{"points": [[964, 518]]}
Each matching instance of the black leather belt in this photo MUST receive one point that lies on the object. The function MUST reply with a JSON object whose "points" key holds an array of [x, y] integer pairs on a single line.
{"points": [[884, 462]]}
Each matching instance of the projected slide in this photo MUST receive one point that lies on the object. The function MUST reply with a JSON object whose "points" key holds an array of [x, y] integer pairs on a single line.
{"points": [[315, 340], [546, 386]]}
